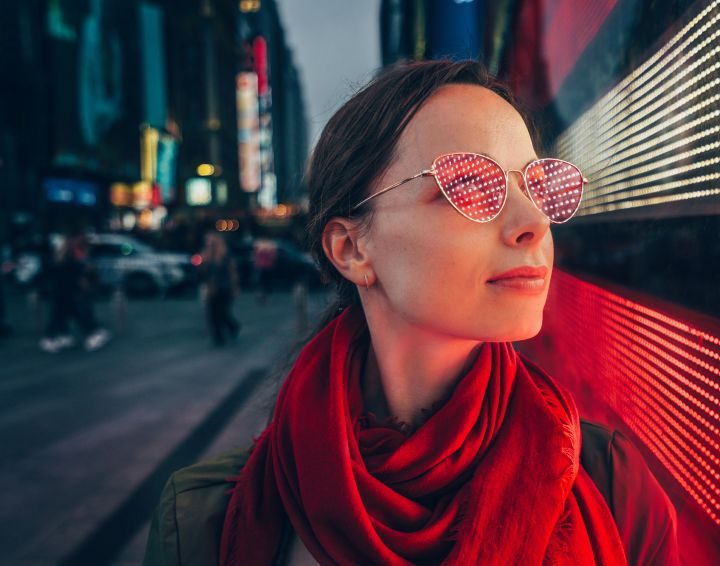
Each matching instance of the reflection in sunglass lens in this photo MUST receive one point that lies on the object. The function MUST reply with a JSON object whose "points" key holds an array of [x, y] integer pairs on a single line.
{"points": [[473, 184], [555, 187]]}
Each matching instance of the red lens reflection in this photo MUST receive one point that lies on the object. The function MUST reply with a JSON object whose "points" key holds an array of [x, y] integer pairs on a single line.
{"points": [[474, 185], [555, 187]]}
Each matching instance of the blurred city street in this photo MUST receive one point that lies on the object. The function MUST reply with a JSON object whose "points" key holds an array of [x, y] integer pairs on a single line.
{"points": [[172, 175], [101, 431]]}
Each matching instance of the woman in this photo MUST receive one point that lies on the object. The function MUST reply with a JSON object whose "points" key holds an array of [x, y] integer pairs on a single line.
{"points": [[409, 431], [221, 285]]}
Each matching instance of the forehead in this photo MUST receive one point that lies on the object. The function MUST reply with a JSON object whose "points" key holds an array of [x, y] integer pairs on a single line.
{"points": [[466, 118]]}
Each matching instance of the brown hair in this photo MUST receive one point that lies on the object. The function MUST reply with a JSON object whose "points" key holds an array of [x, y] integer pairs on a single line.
{"points": [[358, 145]]}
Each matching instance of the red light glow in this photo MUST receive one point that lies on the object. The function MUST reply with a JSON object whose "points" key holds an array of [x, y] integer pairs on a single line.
{"points": [[657, 373]]}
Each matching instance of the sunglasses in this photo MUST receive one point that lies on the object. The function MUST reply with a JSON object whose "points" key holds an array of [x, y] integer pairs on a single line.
{"points": [[476, 186]]}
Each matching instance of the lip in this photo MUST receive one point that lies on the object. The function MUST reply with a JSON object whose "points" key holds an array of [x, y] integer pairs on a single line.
{"points": [[529, 272]]}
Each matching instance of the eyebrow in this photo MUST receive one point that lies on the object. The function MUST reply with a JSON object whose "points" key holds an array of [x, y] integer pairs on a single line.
{"points": [[536, 158]]}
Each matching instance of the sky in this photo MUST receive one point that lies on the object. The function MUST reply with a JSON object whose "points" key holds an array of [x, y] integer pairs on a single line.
{"points": [[336, 45]]}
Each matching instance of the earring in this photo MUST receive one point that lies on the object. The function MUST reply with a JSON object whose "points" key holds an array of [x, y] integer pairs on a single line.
{"points": [[366, 283]]}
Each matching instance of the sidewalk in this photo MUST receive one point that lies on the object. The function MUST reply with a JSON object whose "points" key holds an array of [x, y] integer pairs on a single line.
{"points": [[81, 432]]}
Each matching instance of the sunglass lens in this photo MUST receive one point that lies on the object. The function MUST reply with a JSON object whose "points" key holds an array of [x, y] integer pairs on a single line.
{"points": [[555, 187], [474, 185]]}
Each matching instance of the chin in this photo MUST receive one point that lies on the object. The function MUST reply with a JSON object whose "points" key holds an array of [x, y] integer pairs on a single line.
{"points": [[529, 330], [516, 330]]}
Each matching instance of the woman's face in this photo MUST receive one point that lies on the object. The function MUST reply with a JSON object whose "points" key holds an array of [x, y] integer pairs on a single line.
{"points": [[433, 265]]}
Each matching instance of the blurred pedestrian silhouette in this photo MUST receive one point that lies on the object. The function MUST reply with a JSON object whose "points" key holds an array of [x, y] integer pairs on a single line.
{"points": [[69, 279], [265, 257], [220, 283]]}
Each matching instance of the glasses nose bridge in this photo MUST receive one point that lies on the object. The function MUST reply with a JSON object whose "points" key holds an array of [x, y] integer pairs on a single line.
{"points": [[523, 183]]}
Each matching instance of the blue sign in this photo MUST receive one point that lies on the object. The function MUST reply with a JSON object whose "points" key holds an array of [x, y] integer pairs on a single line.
{"points": [[456, 29], [70, 191], [166, 160]]}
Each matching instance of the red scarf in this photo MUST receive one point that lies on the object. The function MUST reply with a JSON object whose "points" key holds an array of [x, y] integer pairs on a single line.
{"points": [[492, 477]]}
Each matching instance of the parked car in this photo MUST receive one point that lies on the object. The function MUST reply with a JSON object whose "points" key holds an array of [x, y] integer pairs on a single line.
{"points": [[138, 267], [119, 260], [291, 265], [294, 264]]}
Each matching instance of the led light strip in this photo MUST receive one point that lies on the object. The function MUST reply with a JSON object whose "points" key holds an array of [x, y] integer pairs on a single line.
{"points": [[642, 132], [649, 156], [680, 466], [615, 189], [650, 314], [689, 457], [655, 333], [654, 112], [629, 126], [645, 402], [629, 112], [673, 391], [644, 397], [659, 374], [615, 101], [653, 189], [657, 443], [648, 202], [664, 105], [646, 327], [704, 480], [622, 159], [680, 384]]}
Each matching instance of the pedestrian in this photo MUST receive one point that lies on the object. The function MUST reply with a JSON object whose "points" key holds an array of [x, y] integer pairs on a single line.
{"points": [[265, 258], [409, 430], [70, 280], [220, 281]]}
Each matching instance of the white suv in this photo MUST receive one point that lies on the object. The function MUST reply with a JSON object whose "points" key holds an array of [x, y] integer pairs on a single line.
{"points": [[139, 268]]}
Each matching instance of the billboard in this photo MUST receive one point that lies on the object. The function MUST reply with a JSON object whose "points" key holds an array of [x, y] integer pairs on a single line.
{"points": [[94, 85], [246, 97]]}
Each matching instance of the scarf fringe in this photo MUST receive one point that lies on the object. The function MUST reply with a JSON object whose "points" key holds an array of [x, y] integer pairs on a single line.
{"points": [[561, 541], [569, 431], [462, 526]]}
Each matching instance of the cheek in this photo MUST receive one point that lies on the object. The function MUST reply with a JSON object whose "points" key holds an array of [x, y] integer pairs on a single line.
{"points": [[431, 266], [407, 250], [433, 272]]}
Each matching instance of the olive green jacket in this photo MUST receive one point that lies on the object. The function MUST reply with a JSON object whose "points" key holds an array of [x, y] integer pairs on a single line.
{"points": [[188, 521]]}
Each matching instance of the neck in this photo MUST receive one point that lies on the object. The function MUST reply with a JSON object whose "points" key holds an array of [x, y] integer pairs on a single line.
{"points": [[410, 368]]}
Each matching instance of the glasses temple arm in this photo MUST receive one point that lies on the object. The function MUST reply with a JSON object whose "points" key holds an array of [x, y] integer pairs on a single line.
{"points": [[424, 173]]}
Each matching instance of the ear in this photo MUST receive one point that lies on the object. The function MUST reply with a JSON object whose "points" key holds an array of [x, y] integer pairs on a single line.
{"points": [[344, 246]]}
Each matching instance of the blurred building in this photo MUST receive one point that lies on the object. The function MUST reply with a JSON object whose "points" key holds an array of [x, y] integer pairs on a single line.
{"points": [[123, 113], [433, 29], [629, 91]]}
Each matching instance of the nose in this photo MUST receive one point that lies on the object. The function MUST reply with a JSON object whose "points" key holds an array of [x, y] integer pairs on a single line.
{"points": [[523, 222]]}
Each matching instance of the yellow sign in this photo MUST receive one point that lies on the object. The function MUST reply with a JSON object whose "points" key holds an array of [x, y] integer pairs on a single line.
{"points": [[249, 6], [121, 194], [149, 138]]}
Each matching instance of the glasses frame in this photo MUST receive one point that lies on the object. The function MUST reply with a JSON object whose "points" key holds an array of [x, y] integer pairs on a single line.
{"points": [[432, 172]]}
